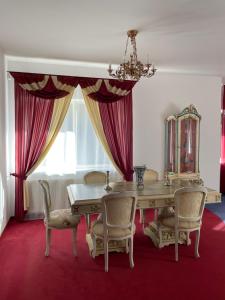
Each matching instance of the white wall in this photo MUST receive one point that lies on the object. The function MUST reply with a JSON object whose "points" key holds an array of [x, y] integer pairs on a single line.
{"points": [[4, 214], [165, 94], [56, 67]]}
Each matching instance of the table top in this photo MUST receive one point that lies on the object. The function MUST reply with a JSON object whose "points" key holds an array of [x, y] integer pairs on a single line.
{"points": [[87, 193]]}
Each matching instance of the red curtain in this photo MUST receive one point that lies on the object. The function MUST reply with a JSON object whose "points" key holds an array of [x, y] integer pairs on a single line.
{"points": [[32, 120], [117, 122], [45, 86], [111, 90], [56, 86], [115, 106], [222, 157], [34, 98]]}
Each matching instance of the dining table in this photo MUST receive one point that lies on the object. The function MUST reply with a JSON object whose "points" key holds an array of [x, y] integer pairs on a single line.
{"points": [[86, 199]]}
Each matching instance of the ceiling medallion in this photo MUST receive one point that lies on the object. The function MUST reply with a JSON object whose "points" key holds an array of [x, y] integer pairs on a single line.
{"points": [[133, 68]]}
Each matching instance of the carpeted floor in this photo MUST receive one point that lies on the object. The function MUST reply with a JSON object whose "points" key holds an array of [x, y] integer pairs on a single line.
{"points": [[218, 208], [25, 273]]}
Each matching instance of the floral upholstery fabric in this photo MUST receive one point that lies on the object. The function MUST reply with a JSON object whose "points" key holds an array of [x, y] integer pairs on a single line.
{"points": [[190, 204], [151, 175], [95, 177], [98, 230], [189, 207], [170, 222], [62, 218]]}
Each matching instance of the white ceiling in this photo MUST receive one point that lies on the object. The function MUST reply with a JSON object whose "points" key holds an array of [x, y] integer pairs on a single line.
{"points": [[178, 35]]}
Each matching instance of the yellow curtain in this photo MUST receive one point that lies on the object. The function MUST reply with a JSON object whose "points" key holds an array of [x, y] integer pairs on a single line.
{"points": [[59, 112], [94, 114]]}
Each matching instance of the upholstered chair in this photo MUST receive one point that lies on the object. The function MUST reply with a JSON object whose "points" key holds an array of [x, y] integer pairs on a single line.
{"points": [[117, 223], [57, 219], [187, 215], [150, 176], [94, 177]]}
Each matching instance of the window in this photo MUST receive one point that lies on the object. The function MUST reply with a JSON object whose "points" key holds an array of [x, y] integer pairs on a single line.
{"points": [[76, 147]]}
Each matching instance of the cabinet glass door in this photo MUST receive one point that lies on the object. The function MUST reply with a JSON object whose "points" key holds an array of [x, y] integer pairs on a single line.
{"points": [[171, 145], [188, 145]]}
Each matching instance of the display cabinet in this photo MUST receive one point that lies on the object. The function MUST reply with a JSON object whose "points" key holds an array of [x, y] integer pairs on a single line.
{"points": [[182, 144]]}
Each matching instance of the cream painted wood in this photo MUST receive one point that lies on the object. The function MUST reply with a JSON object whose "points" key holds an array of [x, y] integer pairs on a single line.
{"points": [[191, 113], [57, 219], [187, 217], [87, 199], [117, 223], [150, 176], [94, 177], [113, 246], [165, 236]]}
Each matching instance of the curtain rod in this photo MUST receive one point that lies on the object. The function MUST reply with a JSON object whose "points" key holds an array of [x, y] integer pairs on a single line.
{"points": [[65, 75]]}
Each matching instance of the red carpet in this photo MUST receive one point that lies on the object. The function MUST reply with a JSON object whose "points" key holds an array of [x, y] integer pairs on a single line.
{"points": [[26, 274]]}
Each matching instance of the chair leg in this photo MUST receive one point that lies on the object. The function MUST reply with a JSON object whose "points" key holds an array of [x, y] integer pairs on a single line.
{"points": [[87, 218], [176, 244], [155, 214], [106, 255], [131, 243], [141, 211], [188, 238], [74, 240], [94, 246], [197, 243], [48, 240]]}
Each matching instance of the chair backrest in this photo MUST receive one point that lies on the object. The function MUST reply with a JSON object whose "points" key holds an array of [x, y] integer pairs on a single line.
{"points": [[119, 210], [47, 197], [151, 175], [95, 177], [190, 203]]}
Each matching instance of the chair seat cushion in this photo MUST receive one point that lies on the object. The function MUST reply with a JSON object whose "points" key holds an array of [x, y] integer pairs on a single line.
{"points": [[98, 230], [63, 218], [170, 222]]}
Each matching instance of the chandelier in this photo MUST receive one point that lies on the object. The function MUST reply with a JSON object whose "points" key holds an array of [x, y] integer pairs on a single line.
{"points": [[133, 68]]}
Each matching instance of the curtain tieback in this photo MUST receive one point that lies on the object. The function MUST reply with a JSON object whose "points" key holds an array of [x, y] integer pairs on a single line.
{"points": [[20, 176]]}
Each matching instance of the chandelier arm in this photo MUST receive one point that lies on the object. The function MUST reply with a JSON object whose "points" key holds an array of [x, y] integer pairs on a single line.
{"points": [[132, 68]]}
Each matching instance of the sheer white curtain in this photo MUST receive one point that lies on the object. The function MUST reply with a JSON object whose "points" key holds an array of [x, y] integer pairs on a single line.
{"points": [[76, 148], [75, 151]]}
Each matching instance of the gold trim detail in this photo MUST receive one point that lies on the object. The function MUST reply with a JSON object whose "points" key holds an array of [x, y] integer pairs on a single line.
{"points": [[115, 90], [34, 86]]}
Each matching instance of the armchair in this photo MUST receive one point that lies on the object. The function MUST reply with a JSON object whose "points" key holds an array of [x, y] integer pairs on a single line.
{"points": [[187, 216], [117, 224]]}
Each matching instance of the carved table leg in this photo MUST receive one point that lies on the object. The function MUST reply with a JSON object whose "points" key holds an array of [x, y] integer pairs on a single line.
{"points": [[88, 224], [164, 236], [114, 246]]}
